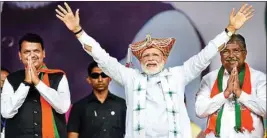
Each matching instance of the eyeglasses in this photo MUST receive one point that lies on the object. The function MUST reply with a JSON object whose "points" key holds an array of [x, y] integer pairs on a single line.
{"points": [[96, 75], [235, 52]]}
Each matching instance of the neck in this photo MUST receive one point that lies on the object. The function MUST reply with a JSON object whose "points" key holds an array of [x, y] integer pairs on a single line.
{"points": [[101, 95]]}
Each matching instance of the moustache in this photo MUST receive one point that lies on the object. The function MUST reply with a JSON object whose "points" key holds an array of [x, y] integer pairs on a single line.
{"points": [[230, 60]]}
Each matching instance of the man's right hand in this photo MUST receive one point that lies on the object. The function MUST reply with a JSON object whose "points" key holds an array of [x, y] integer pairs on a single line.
{"points": [[230, 85], [28, 78], [67, 16]]}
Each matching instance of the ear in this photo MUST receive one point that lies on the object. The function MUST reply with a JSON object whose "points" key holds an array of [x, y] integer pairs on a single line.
{"points": [[245, 54], [44, 53], [109, 79], [19, 55], [165, 59], [89, 80]]}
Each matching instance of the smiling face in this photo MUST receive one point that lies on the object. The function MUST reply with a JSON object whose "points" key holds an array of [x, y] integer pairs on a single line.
{"points": [[152, 61], [232, 56], [34, 51]]}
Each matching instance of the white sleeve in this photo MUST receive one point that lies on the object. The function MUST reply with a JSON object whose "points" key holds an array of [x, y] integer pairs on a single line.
{"points": [[196, 64], [256, 103], [108, 64], [204, 104], [59, 99], [12, 100]]}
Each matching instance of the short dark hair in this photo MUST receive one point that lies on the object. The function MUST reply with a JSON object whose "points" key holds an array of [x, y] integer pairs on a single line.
{"points": [[239, 39], [5, 69], [91, 66], [31, 37]]}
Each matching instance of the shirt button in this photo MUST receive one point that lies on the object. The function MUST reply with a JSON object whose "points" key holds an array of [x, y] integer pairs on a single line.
{"points": [[35, 124], [103, 117], [35, 112], [104, 130], [36, 135]]}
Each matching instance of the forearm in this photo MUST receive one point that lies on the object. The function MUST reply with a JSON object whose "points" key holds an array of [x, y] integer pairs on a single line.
{"points": [[206, 106], [59, 99], [255, 104], [12, 100], [108, 64], [196, 64]]}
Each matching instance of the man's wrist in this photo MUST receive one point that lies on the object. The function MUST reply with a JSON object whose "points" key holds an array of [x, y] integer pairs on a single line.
{"points": [[230, 30], [226, 94], [77, 29], [36, 82]]}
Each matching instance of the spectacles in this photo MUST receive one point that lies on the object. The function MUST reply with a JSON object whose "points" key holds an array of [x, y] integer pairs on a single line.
{"points": [[236, 52], [96, 75]]}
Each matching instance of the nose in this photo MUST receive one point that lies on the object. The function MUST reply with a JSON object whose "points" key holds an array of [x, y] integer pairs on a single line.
{"points": [[100, 78], [150, 58], [231, 54]]}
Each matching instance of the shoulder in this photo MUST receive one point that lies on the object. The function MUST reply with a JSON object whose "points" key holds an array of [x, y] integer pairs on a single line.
{"points": [[82, 101], [16, 74], [118, 100], [15, 78], [211, 75], [257, 73]]}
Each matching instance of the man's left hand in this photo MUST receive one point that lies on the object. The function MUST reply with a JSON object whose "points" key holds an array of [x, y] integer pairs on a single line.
{"points": [[237, 89], [34, 74]]}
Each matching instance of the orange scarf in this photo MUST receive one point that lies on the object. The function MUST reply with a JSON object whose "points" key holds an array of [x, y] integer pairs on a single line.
{"points": [[49, 129], [246, 118]]}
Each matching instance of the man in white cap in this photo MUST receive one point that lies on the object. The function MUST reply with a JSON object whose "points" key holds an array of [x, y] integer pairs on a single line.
{"points": [[154, 97]]}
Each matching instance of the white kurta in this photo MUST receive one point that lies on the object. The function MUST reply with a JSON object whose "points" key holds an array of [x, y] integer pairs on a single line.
{"points": [[256, 102], [156, 122]]}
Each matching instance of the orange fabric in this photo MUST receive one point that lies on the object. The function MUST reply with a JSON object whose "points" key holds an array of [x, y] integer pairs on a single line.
{"points": [[212, 119], [246, 118], [47, 114]]}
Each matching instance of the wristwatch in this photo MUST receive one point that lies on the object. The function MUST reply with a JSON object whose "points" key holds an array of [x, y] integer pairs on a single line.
{"points": [[228, 32]]}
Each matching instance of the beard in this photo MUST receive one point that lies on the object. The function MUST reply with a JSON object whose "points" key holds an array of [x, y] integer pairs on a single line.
{"points": [[159, 67]]}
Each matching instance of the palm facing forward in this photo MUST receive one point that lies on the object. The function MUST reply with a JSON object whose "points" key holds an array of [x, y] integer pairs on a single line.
{"points": [[67, 16], [236, 21]]}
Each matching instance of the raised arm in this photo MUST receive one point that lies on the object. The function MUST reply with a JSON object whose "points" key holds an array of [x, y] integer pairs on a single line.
{"points": [[196, 64], [108, 64]]}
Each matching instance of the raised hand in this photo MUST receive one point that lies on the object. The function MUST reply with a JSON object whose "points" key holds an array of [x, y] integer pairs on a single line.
{"points": [[237, 20], [66, 15]]}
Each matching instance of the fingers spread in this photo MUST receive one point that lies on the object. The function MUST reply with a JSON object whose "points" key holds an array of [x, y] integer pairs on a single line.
{"points": [[59, 13], [242, 8], [62, 9], [60, 18], [247, 9], [68, 7]]}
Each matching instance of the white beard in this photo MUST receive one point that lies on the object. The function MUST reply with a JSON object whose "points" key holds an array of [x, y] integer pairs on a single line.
{"points": [[152, 72]]}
